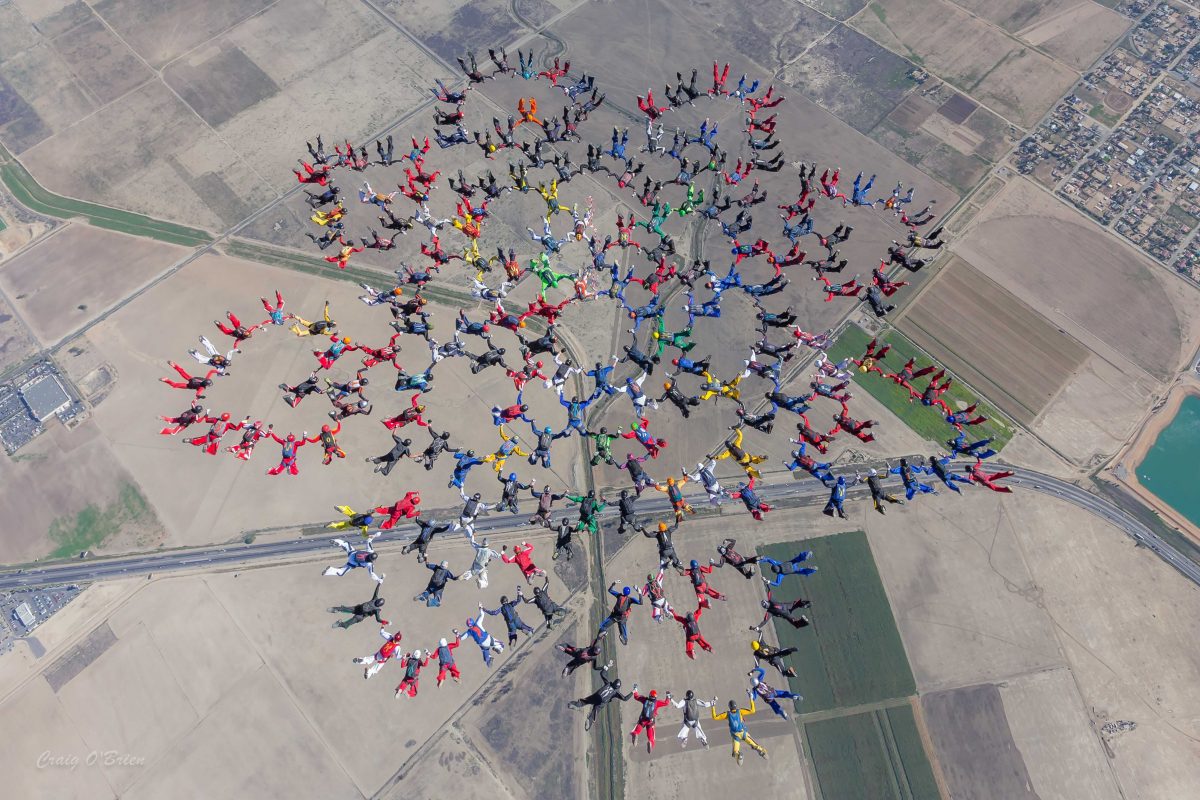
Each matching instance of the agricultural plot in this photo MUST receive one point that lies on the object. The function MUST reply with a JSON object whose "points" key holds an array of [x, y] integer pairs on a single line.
{"points": [[966, 320], [876, 754], [851, 655], [927, 422]]}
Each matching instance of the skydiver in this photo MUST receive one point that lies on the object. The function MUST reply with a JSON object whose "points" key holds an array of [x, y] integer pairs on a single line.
{"points": [[597, 700]]}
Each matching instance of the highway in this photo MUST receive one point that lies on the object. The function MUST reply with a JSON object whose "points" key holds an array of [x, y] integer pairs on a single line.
{"points": [[804, 492]]}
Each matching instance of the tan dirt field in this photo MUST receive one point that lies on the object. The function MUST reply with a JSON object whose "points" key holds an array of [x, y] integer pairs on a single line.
{"points": [[101, 159], [1012, 15], [665, 666], [156, 29], [80, 266], [1113, 301], [218, 714], [268, 136], [1096, 413], [1123, 617], [16, 341], [1024, 86], [204, 499], [967, 321], [1077, 35], [59, 474], [996, 591], [969, 54], [1057, 739], [449, 761], [48, 84]]}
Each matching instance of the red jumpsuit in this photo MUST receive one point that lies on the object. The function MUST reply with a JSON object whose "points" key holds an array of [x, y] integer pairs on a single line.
{"points": [[987, 479], [195, 383], [250, 437], [691, 631], [211, 441], [408, 415], [329, 443], [287, 460], [446, 662], [523, 559], [405, 508], [238, 331], [189, 417], [412, 673], [703, 590], [650, 706]]}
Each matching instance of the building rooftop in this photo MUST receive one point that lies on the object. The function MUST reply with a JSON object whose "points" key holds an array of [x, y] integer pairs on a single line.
{"points": [[45, 396], [24, 614]]}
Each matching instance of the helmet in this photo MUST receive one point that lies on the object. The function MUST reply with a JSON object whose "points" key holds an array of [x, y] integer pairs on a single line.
{"points": [[512, 476], [616, 684], [397, 636], [675, 361], [371, 556], [363, 382], [345, 340], [325, 429], [476, 496], [470, 454], [763, 603], [732, 705], [224, 416], [500, 350], [653, 693], [416, 654], [624, 493], [524, 407], [689, 694], [441, 643], [695, 563], [755, 646], [486, 328], [444, 564], [291, 437], [872, 471], [546, 429], [333, 338], [380, 602], [670, 481], [662, 526], [483, 542], [503, 599], [539, 365], [625, 591], [397, 291], [667, 386]]}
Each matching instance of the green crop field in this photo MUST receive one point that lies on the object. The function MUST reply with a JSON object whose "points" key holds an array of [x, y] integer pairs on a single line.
{"points": [[851, 655], [927, 422], [875, 754], [93, 525], [28, 192]]}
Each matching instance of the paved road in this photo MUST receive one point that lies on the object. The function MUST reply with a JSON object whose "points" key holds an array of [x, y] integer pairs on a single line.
{"points": [[802, 492]]}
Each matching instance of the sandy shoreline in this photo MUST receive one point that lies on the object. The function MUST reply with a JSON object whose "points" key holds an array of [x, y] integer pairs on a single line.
{"points": [[1136, 451]]}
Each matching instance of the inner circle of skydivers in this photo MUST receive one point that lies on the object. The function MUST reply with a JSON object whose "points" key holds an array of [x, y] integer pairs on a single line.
{"points": [[542, 359]]}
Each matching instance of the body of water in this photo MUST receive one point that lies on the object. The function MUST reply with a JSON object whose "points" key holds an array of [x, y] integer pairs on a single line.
{"points": [[1169, 469]]}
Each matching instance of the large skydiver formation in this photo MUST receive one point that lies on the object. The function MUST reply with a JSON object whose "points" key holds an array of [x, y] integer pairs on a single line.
{"points": [[567, 277]]}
